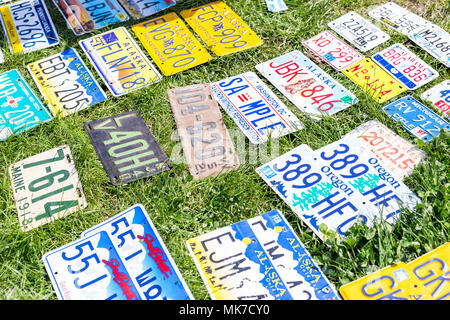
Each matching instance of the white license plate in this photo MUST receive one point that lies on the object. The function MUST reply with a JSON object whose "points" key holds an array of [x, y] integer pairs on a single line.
{"points": [[434, 40], [439, 96]]}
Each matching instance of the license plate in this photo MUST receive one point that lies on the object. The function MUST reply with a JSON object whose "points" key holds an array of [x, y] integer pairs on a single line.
{"points": [[272, 262], [255, 108], [434, 40], [374, 81], [144, 255], [358, 31], [28, 26], [432, 271], [207, 145], [89, 269], [276, 5], [119, 61], [307, 86], [126, 147], [439, 96], [170, 44], [416, 118], [333, 50], [221, 28], [404, 65], [20, 108], [142, 9], [46, 187], [395, 154], [66, 83]]}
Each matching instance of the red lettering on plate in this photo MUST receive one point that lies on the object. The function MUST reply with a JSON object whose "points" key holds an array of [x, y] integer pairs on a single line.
{"points": [[156, 254], [121, 279]]}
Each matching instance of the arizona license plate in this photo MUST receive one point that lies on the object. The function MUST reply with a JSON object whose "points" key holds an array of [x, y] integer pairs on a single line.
{"points": [[28, 26], [144, 8], [358, 31], [20, 108], [434, 40], [66, 83], [439, 96], [221, 28], [307, 86], [374, 81], [416, 118], [170, 44], [333, 50], [46, 187], [119, 61], [144, 255], [255, 108], [404, 65], [272, 262]]}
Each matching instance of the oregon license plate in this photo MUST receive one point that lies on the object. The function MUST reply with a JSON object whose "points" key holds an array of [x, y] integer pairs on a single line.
{"points": [[66, 83], [439, 96], [119, 61], [307, 86], [170, 44], [145, 8], [376, 82], [221, 28], [28, 26], [434, 40]]}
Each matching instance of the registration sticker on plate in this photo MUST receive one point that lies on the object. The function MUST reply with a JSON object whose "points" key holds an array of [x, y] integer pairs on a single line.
{"points": [[258, 259], [66, 83], [333, 50], [170, 44], [307, 86], [439, 96], [434, 40], [221, 28], [28, 26], [119, 61], [144, 8]]}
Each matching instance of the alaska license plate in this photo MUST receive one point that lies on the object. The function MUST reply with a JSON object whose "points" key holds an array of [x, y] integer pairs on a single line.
{"points": [[434, 40], [170, 44], [439, 96], [143, 8], [221, 28], [119, 61], [66, 83]]}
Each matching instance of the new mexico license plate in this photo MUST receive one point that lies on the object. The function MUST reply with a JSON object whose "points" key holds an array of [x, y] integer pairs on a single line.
{"points": [[434, 40], [439, 96], [143, 8]]}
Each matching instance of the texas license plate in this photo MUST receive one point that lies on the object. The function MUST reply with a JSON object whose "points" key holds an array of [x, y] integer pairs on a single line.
{"points": [[66, 83], [439, 96], [376, 82], [145, 8], [333, 50], [307, 86], [119, 61], [416, 118], [404, 65], [46, 187], [434, 40], [28, 26], [170, 44], [221, 28], [255, 108]]}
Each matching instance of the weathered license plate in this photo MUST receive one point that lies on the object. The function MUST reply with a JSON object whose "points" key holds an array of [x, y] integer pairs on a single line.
{"points": [[434, 40], [144, 8], [439, 96]]}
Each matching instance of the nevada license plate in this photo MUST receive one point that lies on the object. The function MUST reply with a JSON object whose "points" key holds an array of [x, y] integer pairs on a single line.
{"points": [[434, 40], [376, 82], [66, 83], [170, 44], [119, 61], [439, 96], [416, 118], [333, 50], [221, 28], [307, 86], [28, 26], [145, 8]]}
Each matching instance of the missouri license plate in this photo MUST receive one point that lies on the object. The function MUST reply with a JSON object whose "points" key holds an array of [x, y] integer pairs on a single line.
{"points": [[145, 8], [439, 96], [434, 40]]}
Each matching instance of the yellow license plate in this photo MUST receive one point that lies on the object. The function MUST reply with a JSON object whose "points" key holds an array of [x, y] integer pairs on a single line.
{"points": [[376, 82], [221, 28], [395, 282], [170, 44], [432, 270]]}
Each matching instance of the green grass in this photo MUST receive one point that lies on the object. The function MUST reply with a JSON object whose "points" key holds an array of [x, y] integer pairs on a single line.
{"points": [[181, 208]]}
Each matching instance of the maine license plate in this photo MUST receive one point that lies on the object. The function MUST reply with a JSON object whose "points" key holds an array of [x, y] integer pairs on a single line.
{"points": [[66, 83], [307, 86], [46, 187], [28, 26], [376, 82], [404, 65], [89, 269], [221, 28], [255, 108], [144, 8], [20, 108], [333, 50], [358, 31], [439, 96], [147, 260], [119, 61], [416, 118], [434, 40], [273, 263], [170, 44]]}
